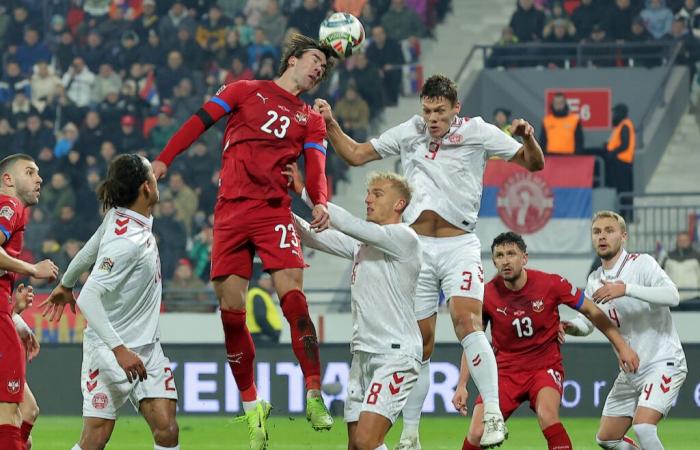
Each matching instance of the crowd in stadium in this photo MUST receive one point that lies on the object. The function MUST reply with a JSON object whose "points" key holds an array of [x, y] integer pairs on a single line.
{"points": [[84, 81]]}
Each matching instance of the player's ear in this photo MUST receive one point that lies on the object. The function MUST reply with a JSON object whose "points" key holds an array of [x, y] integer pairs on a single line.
{"points": [[458, 107], [400, 205]]}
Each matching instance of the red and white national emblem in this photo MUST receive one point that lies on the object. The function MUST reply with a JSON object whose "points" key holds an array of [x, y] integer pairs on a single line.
{"points": [[13, 386], [525, 203], [538, 305], [455, 138], [99, 401], [301, 118]]}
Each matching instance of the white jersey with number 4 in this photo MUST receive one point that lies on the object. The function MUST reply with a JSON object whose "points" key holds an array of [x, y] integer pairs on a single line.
{"points": [[646, 327], [127, 265], [446, 174]]}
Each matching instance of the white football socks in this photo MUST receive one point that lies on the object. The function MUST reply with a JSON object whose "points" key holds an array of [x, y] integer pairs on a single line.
{"points": [[482, 368], [414, 404], [76, 447], [623, 444], [250, 406], [382, 447], [158, 447], [648, 438]]}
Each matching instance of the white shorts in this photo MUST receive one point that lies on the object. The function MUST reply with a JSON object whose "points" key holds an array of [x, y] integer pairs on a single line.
{"points": [[379, 384], [452, 264], [106, 388], [656, 388]]}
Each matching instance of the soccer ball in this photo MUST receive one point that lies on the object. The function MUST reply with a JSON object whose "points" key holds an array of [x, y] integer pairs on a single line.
{"points": [[342, 32]]}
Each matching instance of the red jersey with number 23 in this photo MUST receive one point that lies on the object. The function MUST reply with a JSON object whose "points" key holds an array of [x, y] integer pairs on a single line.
{"points": [[12, 223], [525, 323], [267, 129]]}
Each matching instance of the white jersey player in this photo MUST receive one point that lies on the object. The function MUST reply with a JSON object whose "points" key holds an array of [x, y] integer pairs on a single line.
{"points": [[444, 156], [635, 292], [122, 356], [386, 343]]}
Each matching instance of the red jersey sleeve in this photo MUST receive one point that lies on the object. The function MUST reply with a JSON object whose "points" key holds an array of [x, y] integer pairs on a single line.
{"points": [[9, 217], [222, 103], [566, 293], [315, 160]]}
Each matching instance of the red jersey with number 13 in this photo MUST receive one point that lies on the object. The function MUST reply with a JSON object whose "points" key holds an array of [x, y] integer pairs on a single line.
{"points": [[267, 129], [12, 222], [525, 323]]}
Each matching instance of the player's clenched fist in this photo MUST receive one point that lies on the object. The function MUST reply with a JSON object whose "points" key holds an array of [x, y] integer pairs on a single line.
{"points": [[459, 400], [321, 218], [159, 169], [324, 108], [522, 128], [628, 359], [45, 269], [131, 363]]}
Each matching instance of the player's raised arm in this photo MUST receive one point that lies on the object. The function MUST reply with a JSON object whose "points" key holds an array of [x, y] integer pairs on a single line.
{"points": [[221, 104], [530, 155], [354, 153]]}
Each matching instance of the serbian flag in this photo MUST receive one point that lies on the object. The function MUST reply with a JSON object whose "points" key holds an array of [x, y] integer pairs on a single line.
{"points": [[148, 91], [551, 209]]}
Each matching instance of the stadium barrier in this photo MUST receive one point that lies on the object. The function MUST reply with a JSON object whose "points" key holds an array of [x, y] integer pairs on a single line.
{"points": [[205, 385]]}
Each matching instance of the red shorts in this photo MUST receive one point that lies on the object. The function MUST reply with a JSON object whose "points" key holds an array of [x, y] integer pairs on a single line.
{"points": [[518, 386], [11, 362], [243, 227]]}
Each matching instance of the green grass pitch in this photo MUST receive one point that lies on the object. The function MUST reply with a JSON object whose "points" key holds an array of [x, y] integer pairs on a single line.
{"points": [[209, 433]]}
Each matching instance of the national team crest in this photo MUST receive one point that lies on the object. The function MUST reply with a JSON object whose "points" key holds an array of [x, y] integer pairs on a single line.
{"points": [[106, 265], [525, 203], [538, 305], [301, 118], [99, 401], [13, 386], [6, 212], [455, 138]]}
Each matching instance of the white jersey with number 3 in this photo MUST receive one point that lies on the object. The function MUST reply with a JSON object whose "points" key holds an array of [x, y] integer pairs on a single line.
{"points": [[646, 327], [446, 174], [128, 267]]}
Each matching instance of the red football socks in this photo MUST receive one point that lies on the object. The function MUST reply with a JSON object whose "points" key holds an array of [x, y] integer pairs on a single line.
{"points": [[557, 437], [25, 431], [10, 438], [240, 352], [468, 446], [304, 340]]}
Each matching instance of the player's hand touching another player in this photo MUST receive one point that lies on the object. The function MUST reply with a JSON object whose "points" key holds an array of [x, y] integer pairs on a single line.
{"points": [[159, 169], [56, 302], [321, 219], [521, 127], [45, 269], [324, 108], [31, 345], [23, 298], [628, 359], [131, 363], [295, 180], [561, 334], [609, 291], [459, 400]]}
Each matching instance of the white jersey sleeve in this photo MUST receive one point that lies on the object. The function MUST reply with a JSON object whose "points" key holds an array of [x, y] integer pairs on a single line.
{"points": [[115, 261], [657, 287], [86, 257], [496, 142], [329, 241], [389, 142]]}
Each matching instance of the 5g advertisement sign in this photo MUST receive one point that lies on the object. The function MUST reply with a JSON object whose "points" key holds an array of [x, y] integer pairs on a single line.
{"points": [[205, 384]]}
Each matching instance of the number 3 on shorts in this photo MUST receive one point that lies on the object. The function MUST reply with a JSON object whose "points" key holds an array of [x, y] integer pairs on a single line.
{"points": [[283, 229]]}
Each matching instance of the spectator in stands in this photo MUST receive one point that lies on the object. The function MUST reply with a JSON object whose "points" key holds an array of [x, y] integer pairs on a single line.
{"points": [[153, 53], [197, 166], [170, 231], [184, 199], [690, 50], [147, 21], [620, 150], [502, 53], [186, 292], [73, 166], [31, 51], [78, 81], [238, 71], [4, 23], [20, 20], [113, 28], [368, 81], [208, 193], [44, 85], [266, 69], [259, 49], [57, 194], [273, 23], [211, 32], [352, 113], [527, 21], [254, 10], [562, 32], [558, 17], [33, 138], [262, 318], [177, 17], [501, 118], [683, 267], [245, 31], [108, 151], [619, 20], [20, 108], [69, 225], [368, 17], [127, 52], [308, 17], [386, 54], [168, 77], [200, 252], [586, 14], [233, 49], [130, 139], [111, 112], [64, 53], [231, 7], [94, 53], [105, 81], [184, 101], [7, 134], [12, 82], [562, 133], [192, 54], [163, 131], [401, 22], [35, 235], [690, 13], [598, 56], [91, 134], [657, 18], [65, 140]]}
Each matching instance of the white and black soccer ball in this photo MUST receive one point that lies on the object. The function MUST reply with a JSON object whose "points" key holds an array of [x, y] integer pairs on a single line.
{"points": [[343, 32]]}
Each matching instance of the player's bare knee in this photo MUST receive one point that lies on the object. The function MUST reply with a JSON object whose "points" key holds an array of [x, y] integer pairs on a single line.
{"points": [[547, 417], [167, 435]]}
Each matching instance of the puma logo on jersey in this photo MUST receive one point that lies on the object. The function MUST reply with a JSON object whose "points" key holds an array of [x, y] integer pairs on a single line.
{"points": [[502, 311], [262, 97]]}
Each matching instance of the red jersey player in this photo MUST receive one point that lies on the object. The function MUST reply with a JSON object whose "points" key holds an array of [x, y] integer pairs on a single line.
{"points": [[20, 184], [522, 307], [268, 128]]}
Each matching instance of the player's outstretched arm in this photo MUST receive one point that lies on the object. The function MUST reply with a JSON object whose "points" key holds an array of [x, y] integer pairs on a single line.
{"points": [[329, 241], [45, 269], [459, 400], [352, 152], [85, 258], [628, 359], [530, 155]]}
